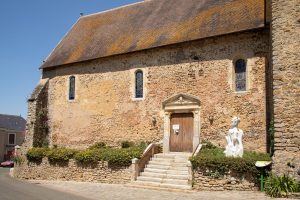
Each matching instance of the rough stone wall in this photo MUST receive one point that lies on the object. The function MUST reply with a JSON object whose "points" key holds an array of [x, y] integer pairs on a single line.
{"points": [[286, 75], [105, 110], [72, 171], [228, 182], [35, 102]]}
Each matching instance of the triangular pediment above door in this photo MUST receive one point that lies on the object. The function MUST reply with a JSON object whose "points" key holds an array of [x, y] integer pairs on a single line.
{"points": [[181, 100]]}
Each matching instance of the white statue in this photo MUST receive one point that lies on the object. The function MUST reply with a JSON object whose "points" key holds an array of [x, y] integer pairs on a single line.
{"points": [[234, 146]]}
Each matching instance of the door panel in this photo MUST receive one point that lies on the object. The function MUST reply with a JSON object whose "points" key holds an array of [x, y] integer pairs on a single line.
{"points": [[182, 141]]}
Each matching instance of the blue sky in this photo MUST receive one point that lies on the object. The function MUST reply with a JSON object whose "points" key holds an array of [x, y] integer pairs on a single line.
{"points": [[29, 30]]}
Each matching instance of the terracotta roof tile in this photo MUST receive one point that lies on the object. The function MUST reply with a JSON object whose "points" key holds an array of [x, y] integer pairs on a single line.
{"points": [[152, 24]]}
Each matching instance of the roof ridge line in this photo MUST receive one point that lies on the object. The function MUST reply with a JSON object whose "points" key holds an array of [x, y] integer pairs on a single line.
{"points": [[10, 115], [112, 9]]}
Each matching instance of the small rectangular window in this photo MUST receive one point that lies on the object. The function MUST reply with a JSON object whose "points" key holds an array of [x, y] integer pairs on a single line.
{"points": [[139, 84], [240, 75], [11, 139], [72, 88], [241, 81]]}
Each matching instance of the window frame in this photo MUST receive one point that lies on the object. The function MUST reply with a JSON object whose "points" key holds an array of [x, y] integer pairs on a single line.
{"points": [[235, 74], [71, 78], [142, 85], [15, 138]]}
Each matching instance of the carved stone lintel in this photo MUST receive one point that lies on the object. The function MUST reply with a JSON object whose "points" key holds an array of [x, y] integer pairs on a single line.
{"points": [[181, 100]]}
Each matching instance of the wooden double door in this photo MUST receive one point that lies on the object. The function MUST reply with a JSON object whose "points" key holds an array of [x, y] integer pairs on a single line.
{"points": [[181, 132]]}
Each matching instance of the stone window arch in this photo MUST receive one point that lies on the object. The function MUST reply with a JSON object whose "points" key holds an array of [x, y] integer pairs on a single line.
{"points": [[72, 85], [240, 75], [139, 84]]}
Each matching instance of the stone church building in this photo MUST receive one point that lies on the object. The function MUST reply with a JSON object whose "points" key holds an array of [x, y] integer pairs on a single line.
{"points": [[176, 72]]}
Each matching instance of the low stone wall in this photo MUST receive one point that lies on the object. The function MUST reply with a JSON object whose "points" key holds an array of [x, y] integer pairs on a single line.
{"points": [[71, 171], [102, 173], [226, 182]]}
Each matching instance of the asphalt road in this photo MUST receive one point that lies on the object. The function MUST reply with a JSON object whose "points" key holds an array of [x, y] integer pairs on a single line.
{"points": [[13, 189]]}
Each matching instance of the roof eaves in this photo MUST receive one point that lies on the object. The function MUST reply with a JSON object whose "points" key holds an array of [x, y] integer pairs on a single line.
{"points": [[82, 17], [160, 46], [41, 67]]}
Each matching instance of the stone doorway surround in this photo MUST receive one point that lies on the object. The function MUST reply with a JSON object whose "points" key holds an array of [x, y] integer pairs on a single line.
{"points": [[181, 103]]}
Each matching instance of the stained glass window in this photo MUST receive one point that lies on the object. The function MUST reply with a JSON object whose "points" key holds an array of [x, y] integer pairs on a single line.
{"points": [[72, 88], [240, 75], [139, 84]]}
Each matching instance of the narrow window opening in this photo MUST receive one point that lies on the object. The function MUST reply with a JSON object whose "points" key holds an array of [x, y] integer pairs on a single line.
{"points": [[72, 88], [139, 84], [11, 139], [240, 75]]}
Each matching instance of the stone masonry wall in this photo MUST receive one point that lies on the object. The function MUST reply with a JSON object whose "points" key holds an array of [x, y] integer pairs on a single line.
{"points": [[228, 182], [105, 109], [286, 75], [72, 171], [35, 102]]}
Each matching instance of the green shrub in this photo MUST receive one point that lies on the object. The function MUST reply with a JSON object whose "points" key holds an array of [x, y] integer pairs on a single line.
{"points": [[144, 145], [271, 132], [126, 144], [114, 157], [60, 154], [36, 154], [87, 156], [121, 157], [280, 186], [18, 160], [212, 160], [298, 187], [208, 145], [98, 145]]}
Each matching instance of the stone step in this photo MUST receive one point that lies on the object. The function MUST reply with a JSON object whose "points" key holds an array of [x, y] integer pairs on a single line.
{"points": [[169, 160], [166, 176], [149, 179], [163, 185], [172, 156], [166, 171], [168, 163], [175, 181], [168, 167], [180, 154], [162, 180], [133, 184]]}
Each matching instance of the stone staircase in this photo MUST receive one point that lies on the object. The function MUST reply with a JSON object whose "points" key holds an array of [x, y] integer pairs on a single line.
{"points": [[166, 171]]}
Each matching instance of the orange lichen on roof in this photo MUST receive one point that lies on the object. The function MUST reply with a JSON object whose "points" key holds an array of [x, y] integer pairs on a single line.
{"points": [[153, 24]]}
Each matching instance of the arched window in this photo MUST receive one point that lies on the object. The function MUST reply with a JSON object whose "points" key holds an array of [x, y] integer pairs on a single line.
{"points": [[139, 84], [72, 88], [240, 75]]}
